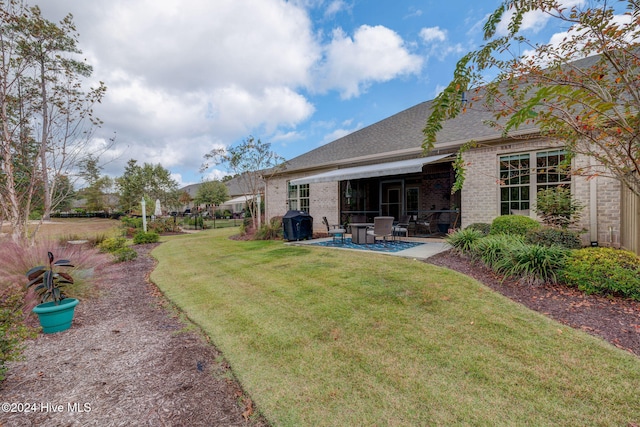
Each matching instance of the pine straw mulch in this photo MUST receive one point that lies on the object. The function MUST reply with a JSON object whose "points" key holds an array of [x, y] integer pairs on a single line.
{"points": [[616, 320], [131, 359]]}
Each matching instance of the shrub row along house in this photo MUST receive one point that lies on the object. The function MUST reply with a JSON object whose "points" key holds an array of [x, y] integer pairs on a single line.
{"points": [[382, 169]]}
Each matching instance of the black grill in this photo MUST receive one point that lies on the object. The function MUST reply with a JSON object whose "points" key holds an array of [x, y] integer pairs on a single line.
{"points": [[297, 225]]}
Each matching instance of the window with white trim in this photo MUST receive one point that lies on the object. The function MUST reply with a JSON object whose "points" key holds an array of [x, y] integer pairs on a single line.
{"points": [[520, 180], [298, 197]]}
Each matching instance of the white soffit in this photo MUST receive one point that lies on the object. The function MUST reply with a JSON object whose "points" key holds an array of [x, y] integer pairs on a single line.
{"points": [[401, 167]]}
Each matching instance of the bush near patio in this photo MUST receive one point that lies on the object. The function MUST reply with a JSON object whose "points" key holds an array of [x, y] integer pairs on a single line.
{"points": [[510, 255], [513, 224], [548, 236], [605, 271], [271, 230], [482, 227], [464, 240], [493, 248], [532, 260], [532, 264]]}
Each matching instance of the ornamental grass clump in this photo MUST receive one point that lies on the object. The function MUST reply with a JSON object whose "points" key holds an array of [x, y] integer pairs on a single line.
{"points": [[493, 248], [603, 271], [482, 227], [533, 264], [463, 240]]}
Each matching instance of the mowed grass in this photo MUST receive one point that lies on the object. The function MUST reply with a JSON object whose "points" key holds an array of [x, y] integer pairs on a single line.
{"points": [[322, 337]]}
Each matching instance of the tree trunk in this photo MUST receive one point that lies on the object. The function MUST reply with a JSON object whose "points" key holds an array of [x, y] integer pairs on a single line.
{"points": [[46, 214]]}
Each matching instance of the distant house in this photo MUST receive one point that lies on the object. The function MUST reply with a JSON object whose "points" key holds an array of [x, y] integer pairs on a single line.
{"points": [[382, 170], [238, 199]]}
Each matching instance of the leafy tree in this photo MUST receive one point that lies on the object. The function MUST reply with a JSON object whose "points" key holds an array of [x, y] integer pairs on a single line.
{"points": [[95, 191], [45, 111], [130, 186], [151, 181], [184, 198], [212, 193], [253, 161], [590, 105]]}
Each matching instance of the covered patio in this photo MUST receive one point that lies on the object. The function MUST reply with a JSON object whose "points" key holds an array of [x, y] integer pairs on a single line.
{"points": [[416, 192]]}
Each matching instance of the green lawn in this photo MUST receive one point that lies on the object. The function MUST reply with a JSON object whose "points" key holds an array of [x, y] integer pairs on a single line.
{"points": [[326, 337]]}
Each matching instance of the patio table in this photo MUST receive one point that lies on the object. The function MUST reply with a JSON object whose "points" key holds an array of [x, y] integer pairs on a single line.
{"points": [[359, 233]]}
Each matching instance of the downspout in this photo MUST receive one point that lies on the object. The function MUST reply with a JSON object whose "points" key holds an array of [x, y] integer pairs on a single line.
{"points": [[593, 208]]}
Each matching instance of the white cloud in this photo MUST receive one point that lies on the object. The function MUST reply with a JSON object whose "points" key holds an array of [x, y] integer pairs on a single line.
{"points": [[335, 7], [536, 20], [431, 34], [558, 38], [374, 54], [339, 133], [184, 77], [437, 42]]}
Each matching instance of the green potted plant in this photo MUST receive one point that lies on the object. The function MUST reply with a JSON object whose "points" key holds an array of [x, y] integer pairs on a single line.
{"points": [[56, 310]]}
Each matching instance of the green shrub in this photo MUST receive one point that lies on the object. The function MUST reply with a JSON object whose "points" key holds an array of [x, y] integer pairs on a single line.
{"points": [[149, 237], [533, 264], [124, 254], [463, 240], [556, 207], [112, 244], [604, 271], [270, 231], [482, 227], [513, 224], [13, 331], [548, 236], [163, 225], [491, 249], [131, 222]]}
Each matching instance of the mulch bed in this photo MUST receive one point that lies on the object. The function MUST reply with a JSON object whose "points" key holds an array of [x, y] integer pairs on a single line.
{"points": [[129, 358], [616, 320]]}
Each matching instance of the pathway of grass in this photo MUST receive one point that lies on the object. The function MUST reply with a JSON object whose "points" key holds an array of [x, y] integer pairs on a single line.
{"points": [[325, 337]]}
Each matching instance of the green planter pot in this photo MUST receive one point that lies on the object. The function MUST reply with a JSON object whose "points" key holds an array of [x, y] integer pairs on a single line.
{"points": [[56, 318]]}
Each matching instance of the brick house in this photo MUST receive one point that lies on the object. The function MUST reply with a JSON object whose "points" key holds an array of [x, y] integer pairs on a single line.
{"points": [[383, 170]]}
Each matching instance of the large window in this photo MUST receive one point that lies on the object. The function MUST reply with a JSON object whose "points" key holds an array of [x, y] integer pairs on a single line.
{"points": [[412, 199], [520, 180], [298, 197]]}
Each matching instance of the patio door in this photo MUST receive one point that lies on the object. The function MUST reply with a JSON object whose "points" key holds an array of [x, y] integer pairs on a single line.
{"points": [[391, 198]]}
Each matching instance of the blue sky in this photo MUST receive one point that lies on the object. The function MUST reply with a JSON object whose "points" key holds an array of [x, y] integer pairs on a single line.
{"points": [[187, 76]]}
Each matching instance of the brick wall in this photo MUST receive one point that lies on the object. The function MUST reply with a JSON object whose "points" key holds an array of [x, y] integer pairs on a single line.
{"points": [[480, 194], [323, 201]]}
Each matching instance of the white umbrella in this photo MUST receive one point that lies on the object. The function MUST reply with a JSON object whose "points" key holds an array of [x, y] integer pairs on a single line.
{"points": [[158, 211]]}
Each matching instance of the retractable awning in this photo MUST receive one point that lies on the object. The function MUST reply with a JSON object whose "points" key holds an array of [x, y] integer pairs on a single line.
{"points": [[401, 167], [241, 199]]}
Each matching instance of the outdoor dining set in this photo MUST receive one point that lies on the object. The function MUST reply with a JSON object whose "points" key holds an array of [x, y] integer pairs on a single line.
{"points": [[384, 228]]}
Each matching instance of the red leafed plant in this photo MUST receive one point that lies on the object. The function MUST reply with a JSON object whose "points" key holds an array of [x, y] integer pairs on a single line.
{"points": [[47, 281]]}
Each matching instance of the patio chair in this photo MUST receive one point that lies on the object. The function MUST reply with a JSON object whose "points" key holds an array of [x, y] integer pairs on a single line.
{"points": [[402, 226], [334, 230], [428, 224], [382, 227]]}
